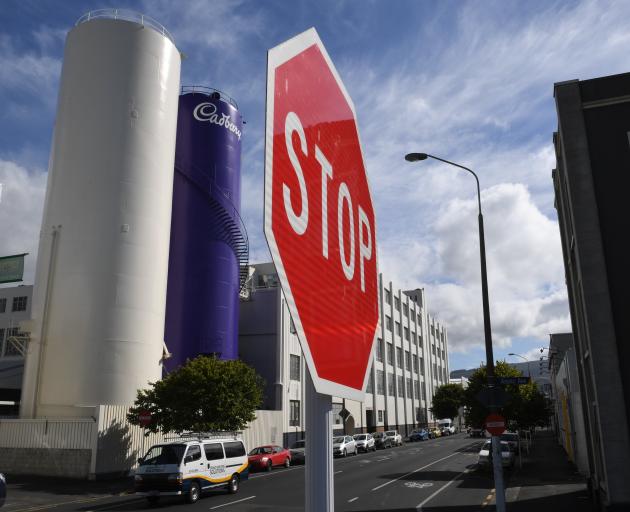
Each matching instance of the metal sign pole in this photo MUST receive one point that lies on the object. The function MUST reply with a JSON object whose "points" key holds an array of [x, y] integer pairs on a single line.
{"points": [[319, 494], [497, 463]]}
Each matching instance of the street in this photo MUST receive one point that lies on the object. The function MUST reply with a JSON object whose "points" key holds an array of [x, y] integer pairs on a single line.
{"points": [[428, 475]]}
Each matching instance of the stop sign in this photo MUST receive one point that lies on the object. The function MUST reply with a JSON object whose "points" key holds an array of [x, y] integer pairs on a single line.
{"points": [[144, 417], [319, 219], [495, 424]]}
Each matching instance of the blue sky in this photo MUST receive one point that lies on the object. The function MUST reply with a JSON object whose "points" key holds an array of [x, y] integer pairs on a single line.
{"points": [[468, 81]]}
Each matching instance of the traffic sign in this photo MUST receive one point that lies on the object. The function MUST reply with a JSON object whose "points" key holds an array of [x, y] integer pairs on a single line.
{"points": [[319, 220], [495, 424], [144, 417], [493, 397], [512, 380]]}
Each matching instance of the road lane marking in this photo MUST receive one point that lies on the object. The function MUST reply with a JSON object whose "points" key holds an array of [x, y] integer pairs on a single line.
{"points": [[233, 502], [340, 471], [420, 505], [269, 473], [415, 471], [353, 499]]}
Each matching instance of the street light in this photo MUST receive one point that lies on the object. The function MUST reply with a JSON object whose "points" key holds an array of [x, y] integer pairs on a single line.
{"points": [[529, 373], [496, 444]]}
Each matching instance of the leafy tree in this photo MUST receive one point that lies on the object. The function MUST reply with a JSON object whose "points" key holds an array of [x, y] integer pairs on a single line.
{"points": [[205, 394], [447, 401], [526, 405]]}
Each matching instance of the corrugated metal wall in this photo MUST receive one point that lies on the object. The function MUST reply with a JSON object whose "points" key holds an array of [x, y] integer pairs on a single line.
{"points": [[71, 434]]}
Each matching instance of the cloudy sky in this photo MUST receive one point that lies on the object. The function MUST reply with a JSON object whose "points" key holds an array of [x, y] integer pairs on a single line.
{"points": [[471, 82]]}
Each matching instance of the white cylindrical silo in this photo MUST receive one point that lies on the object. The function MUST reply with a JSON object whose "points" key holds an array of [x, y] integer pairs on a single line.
{"points": [[97, 325]]}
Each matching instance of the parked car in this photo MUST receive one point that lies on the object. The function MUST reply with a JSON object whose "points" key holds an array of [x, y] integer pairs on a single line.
{"points": [[206, 462], [343, 445], [512, 439], [476, 432], [265, 457], [3, 489], [485, 455], [297, 452], [446, 426], [395, 437], [435, 432], [365, 442], [418, 435], [381, 440]]}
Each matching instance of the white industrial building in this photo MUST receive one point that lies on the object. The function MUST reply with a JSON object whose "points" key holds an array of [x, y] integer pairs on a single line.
{"points": [[409, 361]]}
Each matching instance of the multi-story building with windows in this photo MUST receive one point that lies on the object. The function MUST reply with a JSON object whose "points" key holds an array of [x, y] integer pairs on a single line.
{"points": [[409, 361], [15, 307]]}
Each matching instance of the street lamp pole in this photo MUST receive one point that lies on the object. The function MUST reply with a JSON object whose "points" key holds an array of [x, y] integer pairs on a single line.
{"points": [[529, 372], [496, 443]]}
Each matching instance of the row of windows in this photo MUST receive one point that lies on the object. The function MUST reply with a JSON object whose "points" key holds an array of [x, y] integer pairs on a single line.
{"points": [[440, 351], [420, 415], [418, 362], [19, 304], [413, 386]]}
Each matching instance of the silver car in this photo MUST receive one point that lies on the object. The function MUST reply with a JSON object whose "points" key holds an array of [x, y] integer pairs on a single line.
{"points": [[485, 455], [343, 445], [365, 442]]}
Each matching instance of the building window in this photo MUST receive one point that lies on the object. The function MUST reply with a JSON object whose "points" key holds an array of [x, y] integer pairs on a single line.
{"points": [[1, 342], [435, 375], [294, 367], [409, 389], [415, 364], [397, 303], [398, 331], [420, 341], [422, 366], [336, 409], [370, 384], [433, 349], [388, 297], [19, 303], [380, 386], [401, 384], [424, 393], [388, 323], [407, 361], [390, 354], [399, 357], [3, 305], [406, 310], [294, 413], [407, 333], [419, 320], [432, 331], [390, 384], [379, 350], [416, 385], [380, 416]]}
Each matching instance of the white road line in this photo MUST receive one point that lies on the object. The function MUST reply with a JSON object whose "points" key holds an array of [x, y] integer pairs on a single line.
{"points": [[353, 499], [232, 502], [338, 472], [419, 506], [292, 468], [415, 471]]}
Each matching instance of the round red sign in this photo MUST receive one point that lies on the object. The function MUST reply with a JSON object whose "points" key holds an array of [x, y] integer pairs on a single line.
{"points": [[495, 424], [145, 418]]}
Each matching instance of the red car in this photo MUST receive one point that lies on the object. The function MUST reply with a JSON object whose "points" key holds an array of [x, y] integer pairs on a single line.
{"points": [[264, 457]]}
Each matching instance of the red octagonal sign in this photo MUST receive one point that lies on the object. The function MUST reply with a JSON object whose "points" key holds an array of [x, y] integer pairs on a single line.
{"points": [[319, 219]]}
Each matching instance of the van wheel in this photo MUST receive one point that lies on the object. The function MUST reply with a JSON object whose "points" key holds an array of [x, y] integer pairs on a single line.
{"points": [[193, 493], [233, 485], [287, 462]]}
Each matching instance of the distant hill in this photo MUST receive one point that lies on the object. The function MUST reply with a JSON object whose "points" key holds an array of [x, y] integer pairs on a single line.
{"points": [[525, 368]]}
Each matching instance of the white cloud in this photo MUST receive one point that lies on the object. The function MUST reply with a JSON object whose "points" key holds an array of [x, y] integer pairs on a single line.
{"points": [[21, 208]]}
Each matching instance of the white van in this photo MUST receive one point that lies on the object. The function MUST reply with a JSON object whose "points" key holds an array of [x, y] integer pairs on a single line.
{"points": [[446, 426], [187, 467]]}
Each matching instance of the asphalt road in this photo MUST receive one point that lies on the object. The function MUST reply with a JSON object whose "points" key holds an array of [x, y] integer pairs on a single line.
{"points": [[428, 476]]}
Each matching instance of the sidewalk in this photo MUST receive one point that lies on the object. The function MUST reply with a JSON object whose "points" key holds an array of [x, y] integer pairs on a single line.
{"points": [[547, 481]]}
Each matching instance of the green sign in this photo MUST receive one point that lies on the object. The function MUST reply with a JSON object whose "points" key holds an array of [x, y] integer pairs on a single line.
{"points": [[12, 268]]}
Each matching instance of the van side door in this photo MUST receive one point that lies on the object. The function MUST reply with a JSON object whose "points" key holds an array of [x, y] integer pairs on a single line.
{"points": [[215, 469], [193, 462], [235, 457]]}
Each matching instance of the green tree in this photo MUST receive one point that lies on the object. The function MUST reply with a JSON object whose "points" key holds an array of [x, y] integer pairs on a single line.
{"points": [[205, 394], [526, 405], [447, 401]]}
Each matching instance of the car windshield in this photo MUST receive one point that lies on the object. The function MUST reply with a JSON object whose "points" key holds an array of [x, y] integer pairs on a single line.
{"points": [[338, 440], [391, 432], [164, 454], [360, 437], [260, 451], [298, 444]]}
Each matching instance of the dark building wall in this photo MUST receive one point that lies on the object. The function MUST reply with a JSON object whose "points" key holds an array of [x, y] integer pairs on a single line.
{"points": [[591, 178]]}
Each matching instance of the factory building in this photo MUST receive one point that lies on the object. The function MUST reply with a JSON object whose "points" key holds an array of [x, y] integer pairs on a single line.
{"points": [[409, 360]]}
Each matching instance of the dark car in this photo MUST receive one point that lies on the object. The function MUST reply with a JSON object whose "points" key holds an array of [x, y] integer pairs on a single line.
{"points": [[3, 489], [382, 440], [297, 452], [419, 435]]}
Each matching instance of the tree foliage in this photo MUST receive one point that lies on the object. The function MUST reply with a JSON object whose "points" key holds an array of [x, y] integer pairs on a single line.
{"points": [[205, 394], [526, 406], [447, 401]]}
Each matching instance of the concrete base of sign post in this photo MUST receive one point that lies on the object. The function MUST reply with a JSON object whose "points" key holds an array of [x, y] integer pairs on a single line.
{"points": [[497, 465], [320, 495]]}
